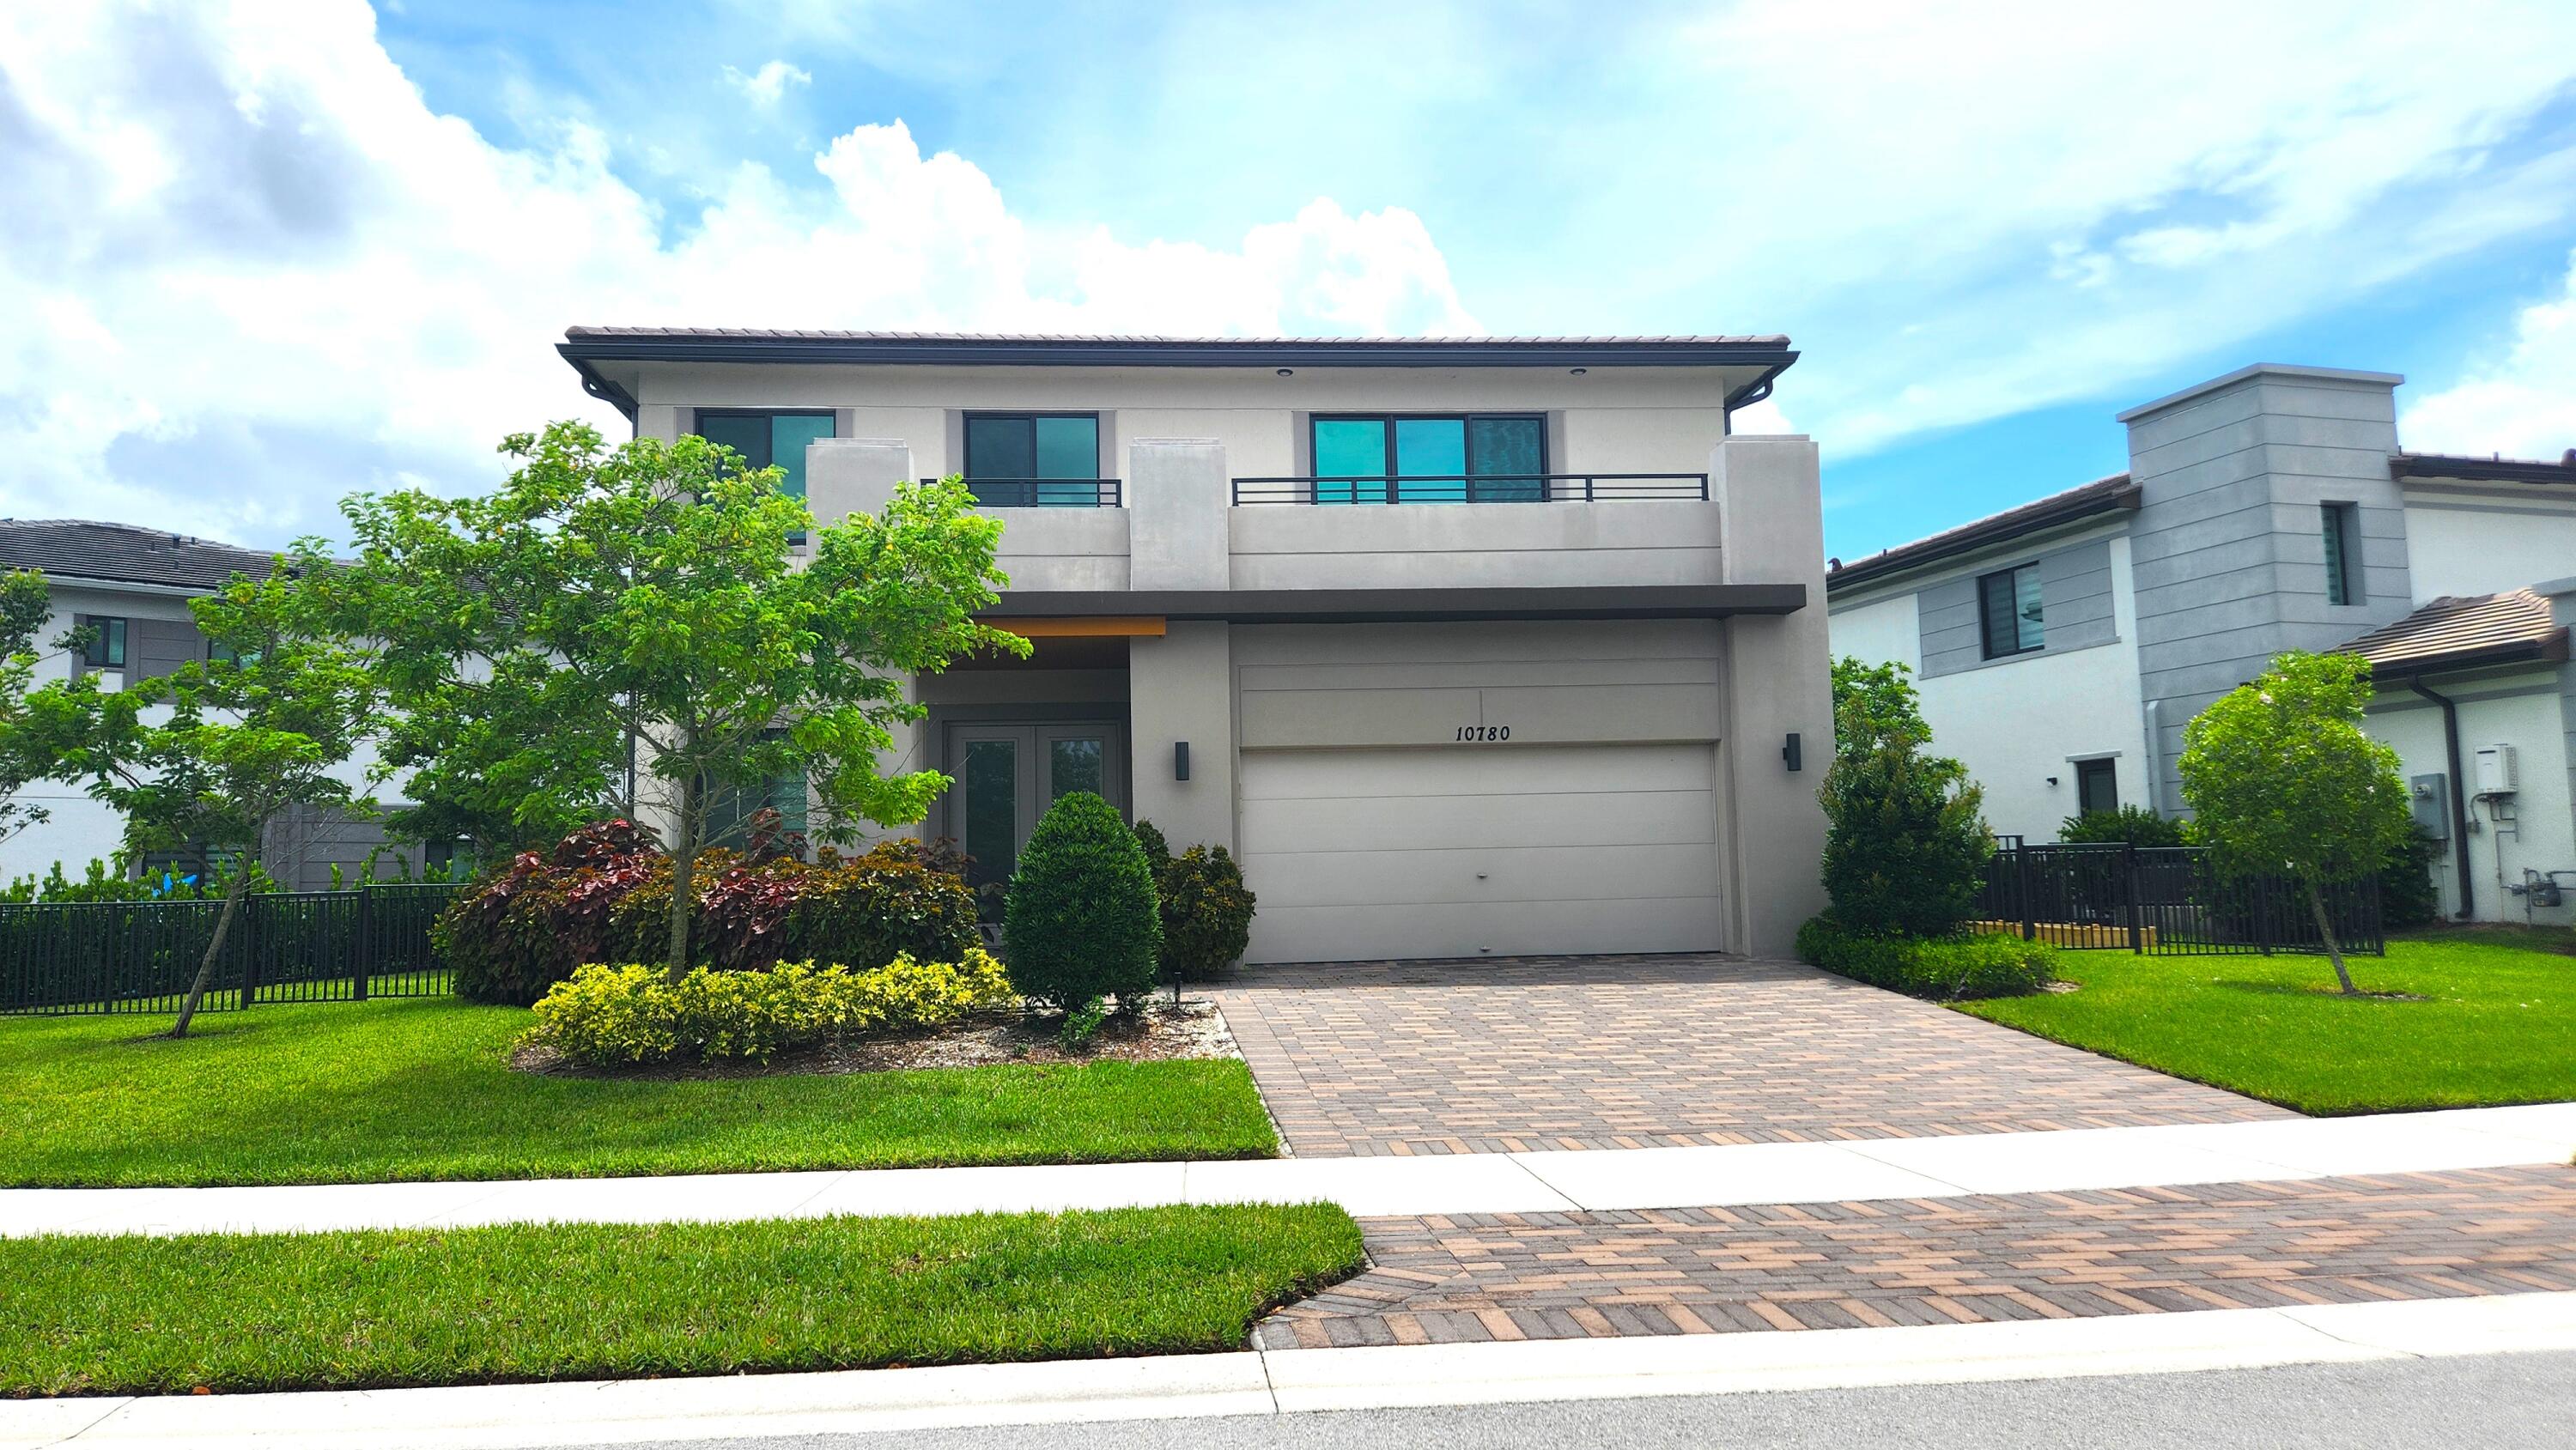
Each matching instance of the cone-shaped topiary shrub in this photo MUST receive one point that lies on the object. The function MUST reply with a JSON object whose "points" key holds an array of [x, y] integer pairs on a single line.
{"points": [[1082, 922]]}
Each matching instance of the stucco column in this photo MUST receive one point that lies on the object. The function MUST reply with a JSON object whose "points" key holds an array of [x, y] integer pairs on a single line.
{"points": [[844, 476], [1178, 495], [1779, 683], [1181, 688]]}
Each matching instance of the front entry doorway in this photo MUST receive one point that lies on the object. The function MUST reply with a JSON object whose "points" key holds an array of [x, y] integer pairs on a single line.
{"points": [[1007, 775]]}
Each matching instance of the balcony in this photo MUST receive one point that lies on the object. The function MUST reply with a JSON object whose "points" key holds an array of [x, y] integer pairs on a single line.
{"points": [[1055, 493], [1479, 488]]}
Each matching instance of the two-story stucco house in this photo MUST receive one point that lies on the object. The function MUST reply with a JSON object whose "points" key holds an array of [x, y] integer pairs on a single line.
{"points": [[2061, 647], [1465, 647]]}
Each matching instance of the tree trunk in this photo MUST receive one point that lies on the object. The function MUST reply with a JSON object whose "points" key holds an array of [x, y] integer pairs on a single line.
{"points": [[684, 856], [2325, 927], [214, 948]]}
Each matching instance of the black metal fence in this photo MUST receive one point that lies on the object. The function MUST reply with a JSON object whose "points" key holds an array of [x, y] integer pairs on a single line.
{"points": [[298, 946], [1033, 493], [2167, 901]]}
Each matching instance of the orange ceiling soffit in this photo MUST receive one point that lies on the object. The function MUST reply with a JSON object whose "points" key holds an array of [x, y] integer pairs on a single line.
{"points": [[1095, 626]]}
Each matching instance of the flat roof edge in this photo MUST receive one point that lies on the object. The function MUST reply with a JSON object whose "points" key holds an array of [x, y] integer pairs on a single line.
{"points": [[2255, 370], [582, 347]]}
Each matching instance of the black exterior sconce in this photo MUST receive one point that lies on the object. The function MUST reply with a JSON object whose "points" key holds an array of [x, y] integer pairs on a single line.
{"points": [[1792, 754], [1180, 760]]}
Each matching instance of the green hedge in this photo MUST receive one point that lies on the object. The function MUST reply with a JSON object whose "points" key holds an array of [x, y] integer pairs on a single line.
{"points": [[1944, 970]]}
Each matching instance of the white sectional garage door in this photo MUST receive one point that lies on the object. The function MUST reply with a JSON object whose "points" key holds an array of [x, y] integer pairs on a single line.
{"points": [[1480, 851]]}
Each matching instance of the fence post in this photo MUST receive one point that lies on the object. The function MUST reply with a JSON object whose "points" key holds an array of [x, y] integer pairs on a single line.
{"points": [[365, 954], [246, 939], [2021, 878], [2129, 890]]}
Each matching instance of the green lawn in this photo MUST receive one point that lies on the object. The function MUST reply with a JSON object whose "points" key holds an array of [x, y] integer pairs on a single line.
{"points": [[379, 1091], [2498, 1025], [538, 1302]]}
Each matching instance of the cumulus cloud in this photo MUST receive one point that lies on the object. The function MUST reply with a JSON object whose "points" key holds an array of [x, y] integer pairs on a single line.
{"points": [[267, 273], [765, 86], [2522, 403]]}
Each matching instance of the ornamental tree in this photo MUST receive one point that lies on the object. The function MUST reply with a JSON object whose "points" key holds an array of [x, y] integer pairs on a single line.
{"points": [[25, 605], [1905, 843], [1884, 696], [215, 753], [644, 608], [2282, 780]]}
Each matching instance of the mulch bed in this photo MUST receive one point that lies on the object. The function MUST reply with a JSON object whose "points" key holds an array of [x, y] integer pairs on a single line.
{"points": [[1159, 1032]]}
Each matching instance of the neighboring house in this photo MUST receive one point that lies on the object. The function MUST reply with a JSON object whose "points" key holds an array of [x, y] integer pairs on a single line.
{"points": [[2061, 647], [130, 587], [1466, 647]]}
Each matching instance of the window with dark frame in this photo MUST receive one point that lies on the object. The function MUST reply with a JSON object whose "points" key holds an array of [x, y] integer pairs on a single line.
{"points": [[1040, 460], [1415, 458], [2097, 788], [106, 647], [2008, 612], [768, 439], [2342, 524]]}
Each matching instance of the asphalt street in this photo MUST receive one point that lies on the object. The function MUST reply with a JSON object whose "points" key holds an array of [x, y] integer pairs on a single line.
{"points": [[2490, 1400]]}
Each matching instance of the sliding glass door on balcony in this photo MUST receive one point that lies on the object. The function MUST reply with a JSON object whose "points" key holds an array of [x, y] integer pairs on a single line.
{"points": [[1015, 460], [1471, 458]]}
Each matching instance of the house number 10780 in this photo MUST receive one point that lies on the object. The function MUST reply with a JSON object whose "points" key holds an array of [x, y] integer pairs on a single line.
{"points": [[1486, 734]]}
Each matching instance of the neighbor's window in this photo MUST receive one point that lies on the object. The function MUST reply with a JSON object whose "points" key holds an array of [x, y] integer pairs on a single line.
{"points": [[2008, 610], [731, 807], [1484, 457], [2343, 552], [1014, 453], [2097, 788], [767, 439], [106, 649]]}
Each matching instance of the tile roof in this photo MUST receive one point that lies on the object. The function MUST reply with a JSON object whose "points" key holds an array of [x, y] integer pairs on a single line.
{"points": [[2495, 468], [2464, 630], [125, 553], [804, 334], [2101, 496]]}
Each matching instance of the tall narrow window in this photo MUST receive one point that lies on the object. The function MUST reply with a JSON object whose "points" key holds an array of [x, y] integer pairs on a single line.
{"points": [[2008, 611], [2343, 552], [2097, 788], [106, 648], [1014, 460], [1461, 458]]}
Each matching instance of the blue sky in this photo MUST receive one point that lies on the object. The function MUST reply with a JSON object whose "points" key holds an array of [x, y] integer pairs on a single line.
{"points": [[306, 248]]}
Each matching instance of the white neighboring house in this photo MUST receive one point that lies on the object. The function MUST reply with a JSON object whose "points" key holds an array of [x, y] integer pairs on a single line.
{"points": [[2060, 647], [132, 585]]}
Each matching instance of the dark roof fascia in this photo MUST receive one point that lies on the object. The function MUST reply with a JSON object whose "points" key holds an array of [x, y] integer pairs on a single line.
{"points": [[2496, 470], [1968, 540], [1380, 606], [2553, 650], [582, 347], [598, 385]]}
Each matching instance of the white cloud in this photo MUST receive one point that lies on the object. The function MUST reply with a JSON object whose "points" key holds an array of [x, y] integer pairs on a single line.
{"points": [[765, 86], [267, 273], [2522, 404]]}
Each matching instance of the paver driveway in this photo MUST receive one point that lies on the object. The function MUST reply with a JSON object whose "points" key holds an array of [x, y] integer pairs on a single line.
{"points": [[1634, 1052]]}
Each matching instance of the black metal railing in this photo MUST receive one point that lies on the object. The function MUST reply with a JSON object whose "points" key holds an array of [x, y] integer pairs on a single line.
{"points": [[299, 946], [1479, 488], [2168, 901], [1044, 493]]}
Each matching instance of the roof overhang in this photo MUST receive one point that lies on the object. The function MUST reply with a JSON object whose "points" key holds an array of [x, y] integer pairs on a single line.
{"points": [[1388, 606], [2480, 470], [2001, 529], [2552, 650]]}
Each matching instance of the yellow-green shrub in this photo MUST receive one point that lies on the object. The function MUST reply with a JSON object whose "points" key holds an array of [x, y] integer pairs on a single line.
{"points": [[610, 1016]]}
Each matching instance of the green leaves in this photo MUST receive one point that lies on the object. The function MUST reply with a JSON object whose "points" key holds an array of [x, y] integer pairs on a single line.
{"points": [[1905, 842], [2283, 780]]}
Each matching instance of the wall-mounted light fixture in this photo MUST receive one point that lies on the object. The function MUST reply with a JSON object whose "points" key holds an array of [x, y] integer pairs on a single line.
{"points": [[2052, 780], [1792, 754], [1180, 760]]}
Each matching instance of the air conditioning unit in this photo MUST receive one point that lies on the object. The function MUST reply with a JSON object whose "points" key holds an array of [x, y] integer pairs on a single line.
{"points": [[2496, 770]]}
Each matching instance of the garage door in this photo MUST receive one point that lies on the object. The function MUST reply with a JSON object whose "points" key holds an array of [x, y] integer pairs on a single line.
{"points": [[1493, 851]]}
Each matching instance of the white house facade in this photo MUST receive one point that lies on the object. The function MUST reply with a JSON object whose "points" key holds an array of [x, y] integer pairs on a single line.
{"points": [[2062, 646]]}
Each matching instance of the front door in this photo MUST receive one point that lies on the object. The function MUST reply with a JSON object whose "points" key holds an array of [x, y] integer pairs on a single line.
{"points": [[1007, 775]]}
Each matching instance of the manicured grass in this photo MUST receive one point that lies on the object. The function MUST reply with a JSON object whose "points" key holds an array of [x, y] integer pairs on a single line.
{"points": [[2498, 1025], [381, 1091], [539, 1302]]}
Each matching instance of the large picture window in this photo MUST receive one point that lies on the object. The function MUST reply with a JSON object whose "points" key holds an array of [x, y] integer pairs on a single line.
{"points": [[1013, 458], [767, 439], [2008, 611], [1478, 457]]}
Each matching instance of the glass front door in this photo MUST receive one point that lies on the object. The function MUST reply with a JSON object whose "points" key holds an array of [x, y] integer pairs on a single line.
{"points": [[1007, 775]]}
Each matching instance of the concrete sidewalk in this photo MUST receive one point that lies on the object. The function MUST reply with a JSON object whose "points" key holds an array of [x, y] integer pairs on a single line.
{"points": [[1483, 1183], [1255, 1384]]}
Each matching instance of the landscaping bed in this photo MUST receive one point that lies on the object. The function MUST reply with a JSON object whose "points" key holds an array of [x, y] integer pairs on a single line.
{"points": [[1159, 1032], [2465, 1019], [363, 1092], [383, 1309]]}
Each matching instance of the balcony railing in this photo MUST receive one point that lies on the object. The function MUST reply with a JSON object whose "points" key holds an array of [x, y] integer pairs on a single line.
{"points": [[1481, 488], [1043, 493]]}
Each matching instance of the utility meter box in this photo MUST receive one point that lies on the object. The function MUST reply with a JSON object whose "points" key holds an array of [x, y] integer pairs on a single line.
{"points": [[2430, 798], [2496, 770]]}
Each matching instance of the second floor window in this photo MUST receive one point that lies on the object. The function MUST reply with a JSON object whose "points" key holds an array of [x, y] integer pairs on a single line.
{"points": [[2343, 553], [767, 439], [1012, 458], [1476, 457], [106, 648], [2008, 611]]}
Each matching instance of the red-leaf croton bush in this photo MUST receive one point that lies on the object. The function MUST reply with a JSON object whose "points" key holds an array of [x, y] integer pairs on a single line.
{"points": [[602, 896]]}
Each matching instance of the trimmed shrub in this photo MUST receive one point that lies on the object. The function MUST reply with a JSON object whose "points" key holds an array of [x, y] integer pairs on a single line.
{"points": [[1083, 920], [1206, 909], [605, 1016], [1947, 969], [2407, 894], [602, 895], [2130, 825], [1905, 847]]}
